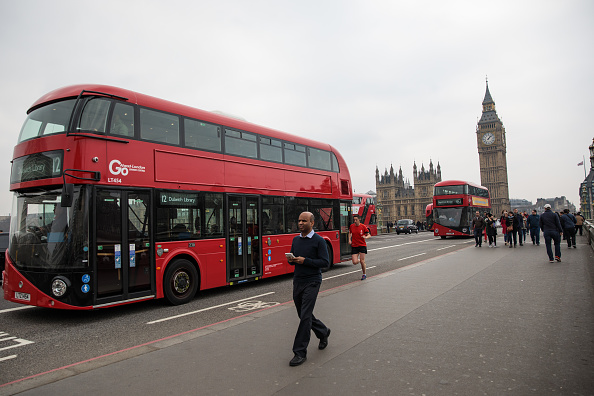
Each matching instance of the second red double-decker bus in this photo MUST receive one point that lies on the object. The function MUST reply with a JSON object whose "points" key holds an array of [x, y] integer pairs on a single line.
{"points": [[429, 216], [454, 205], [121, 197], [364, 206]]}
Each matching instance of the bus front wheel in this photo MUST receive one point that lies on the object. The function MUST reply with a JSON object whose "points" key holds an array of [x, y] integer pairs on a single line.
{"points": [[180, 282]]}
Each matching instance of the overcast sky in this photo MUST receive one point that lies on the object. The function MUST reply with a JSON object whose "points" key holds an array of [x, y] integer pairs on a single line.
{"points": [[385, 82]]}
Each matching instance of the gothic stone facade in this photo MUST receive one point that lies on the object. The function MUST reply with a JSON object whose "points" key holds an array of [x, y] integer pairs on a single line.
{"points": [[490, 137], [400, 200]]}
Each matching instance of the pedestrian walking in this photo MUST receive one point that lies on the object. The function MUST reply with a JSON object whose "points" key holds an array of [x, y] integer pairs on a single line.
{"points": [[533, 224], [358, 233], [568, 222], [503, 221], [491, 229], [579, 223], [518, 221], [524, 226], [551, 230], [512, 230], [478, 224], [309, 255]]}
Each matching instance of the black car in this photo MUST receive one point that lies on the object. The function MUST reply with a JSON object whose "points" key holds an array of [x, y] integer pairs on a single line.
{"points": [[3, 247], [407, 226]]}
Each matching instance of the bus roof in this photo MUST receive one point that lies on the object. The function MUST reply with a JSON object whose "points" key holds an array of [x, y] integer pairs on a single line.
{"points": [[458, 183], [73, 91]]}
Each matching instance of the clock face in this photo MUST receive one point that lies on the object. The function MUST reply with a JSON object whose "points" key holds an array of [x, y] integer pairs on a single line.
{"points": [[488, 138]]}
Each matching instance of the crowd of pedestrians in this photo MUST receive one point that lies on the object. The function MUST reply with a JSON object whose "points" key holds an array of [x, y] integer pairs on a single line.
{"points": [[516, 226]]}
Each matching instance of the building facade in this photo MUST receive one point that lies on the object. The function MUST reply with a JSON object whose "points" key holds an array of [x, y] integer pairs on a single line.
{"points": [[586, 187], [490, 138], [399, 199]]}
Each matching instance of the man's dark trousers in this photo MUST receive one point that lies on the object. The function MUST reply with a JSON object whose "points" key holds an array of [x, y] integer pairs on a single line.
{"points": [[552, 235], [535, 234], [478, 236], [570, 235], [304, 296]]}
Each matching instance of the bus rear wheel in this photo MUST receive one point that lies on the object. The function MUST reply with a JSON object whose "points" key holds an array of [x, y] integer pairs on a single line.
{"points": [[180, 282]]}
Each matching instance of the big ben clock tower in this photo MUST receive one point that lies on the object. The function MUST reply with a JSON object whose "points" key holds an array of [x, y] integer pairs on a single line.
{"points": [[490, 137]]}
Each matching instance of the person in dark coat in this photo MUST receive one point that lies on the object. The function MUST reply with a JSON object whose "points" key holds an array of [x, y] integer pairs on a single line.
{"points": [[491, 229], [568, 222], [512, 229], [551, 230], [478, 225], [534, 227]]}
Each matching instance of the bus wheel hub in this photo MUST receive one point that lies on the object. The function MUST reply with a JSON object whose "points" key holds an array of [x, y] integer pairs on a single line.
{"points": [[181, 282]]}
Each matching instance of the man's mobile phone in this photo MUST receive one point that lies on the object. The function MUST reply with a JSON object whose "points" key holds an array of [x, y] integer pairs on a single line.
{"points": [[289, 255]]}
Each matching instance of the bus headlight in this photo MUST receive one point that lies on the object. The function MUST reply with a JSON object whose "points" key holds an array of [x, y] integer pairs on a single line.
{"points": [[60, 286]]}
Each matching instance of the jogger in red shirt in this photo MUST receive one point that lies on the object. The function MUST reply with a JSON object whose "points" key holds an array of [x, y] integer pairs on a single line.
{"points": [[358, 233]]}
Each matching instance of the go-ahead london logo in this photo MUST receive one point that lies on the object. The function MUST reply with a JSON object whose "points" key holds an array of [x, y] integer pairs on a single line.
{"points": [[117, 168]]}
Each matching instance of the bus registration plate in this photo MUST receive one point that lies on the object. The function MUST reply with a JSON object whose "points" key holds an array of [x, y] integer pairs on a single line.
{"points": [[22, 296]]}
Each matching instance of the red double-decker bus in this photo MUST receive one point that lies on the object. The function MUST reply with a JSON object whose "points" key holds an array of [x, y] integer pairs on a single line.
{"points": [[122, 197], [364, 206], [454, 204], [429, 216]]}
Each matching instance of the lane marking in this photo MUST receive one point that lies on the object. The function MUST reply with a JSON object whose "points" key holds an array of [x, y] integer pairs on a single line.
{"points": [[347, 273], [16, 309], [206, 309], [416, 255], [403, 244], [20, 342], [8, 357], [447, 247]]}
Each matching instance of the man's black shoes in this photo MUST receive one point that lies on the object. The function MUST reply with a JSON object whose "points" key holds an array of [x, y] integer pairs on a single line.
{"points": [[297, 360], [324, 341]]}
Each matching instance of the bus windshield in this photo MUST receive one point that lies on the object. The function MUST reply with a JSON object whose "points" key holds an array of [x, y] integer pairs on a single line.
{"points": [[452, 217], [47, 120], [45, 235]]}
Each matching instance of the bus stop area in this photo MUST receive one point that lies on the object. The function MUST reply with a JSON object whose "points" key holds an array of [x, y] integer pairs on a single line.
{"points": [[474, 321]]}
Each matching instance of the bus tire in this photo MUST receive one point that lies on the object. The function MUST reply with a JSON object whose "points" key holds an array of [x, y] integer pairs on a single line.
{"points": [[180, 283], [443, 237]]}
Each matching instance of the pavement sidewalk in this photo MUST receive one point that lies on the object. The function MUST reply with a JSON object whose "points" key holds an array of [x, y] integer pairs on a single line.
{"points": [[475, 321]]}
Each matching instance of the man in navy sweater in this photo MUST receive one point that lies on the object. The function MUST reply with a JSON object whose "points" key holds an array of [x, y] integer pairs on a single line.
{"points": [[310, 255]]}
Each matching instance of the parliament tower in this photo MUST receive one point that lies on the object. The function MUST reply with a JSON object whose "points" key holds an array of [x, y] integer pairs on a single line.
{"points": [[490, 137]]}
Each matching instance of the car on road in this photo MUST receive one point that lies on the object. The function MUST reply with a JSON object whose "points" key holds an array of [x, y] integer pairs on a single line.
{"points": [[406, 226]]}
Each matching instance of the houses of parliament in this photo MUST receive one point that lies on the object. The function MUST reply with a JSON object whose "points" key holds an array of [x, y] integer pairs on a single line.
{"points": [[401, 200]]}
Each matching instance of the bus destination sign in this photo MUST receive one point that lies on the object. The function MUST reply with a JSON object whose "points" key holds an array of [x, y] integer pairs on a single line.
{"points": [[176, 199], [37, 166], [447, 202]]}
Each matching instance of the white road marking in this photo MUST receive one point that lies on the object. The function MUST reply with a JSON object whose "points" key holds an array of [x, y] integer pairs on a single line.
{"points": [[16, 309], [416, 255], [207, 309], [347, 273], [407, 243], [7, 357], [447, 247]]}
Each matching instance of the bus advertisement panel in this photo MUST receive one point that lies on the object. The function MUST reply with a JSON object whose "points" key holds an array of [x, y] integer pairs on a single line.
{"points": [[121, 197], [364, 206], [455, 203]]}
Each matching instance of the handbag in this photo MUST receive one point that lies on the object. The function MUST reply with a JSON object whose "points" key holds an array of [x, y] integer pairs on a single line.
{"points": [[510, 228]]}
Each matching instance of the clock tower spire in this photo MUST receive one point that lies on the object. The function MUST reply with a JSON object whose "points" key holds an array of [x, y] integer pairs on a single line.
{"points": [[490, 136]]}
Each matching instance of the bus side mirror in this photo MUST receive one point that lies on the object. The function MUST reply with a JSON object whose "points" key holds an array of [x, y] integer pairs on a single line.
{"points": [[67, 193]]}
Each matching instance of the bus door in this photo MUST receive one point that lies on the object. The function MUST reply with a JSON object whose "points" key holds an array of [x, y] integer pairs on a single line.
{"points": [[345, 221], [122, 245], [243, 238]]}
